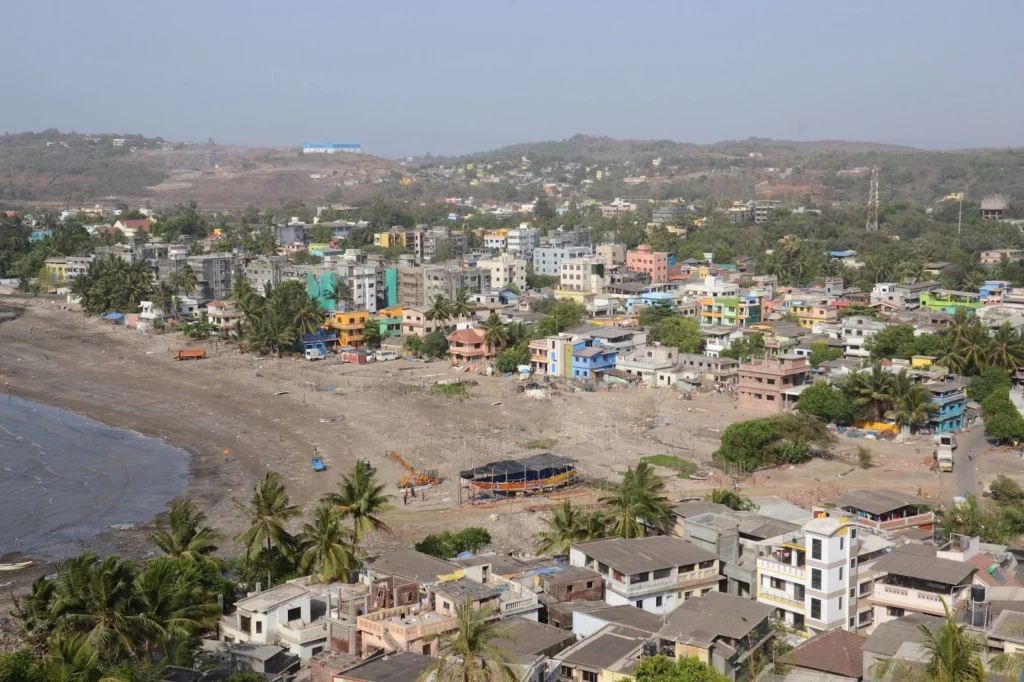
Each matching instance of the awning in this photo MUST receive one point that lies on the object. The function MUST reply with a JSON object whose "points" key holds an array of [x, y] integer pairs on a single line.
{"points": [[113, 316]]}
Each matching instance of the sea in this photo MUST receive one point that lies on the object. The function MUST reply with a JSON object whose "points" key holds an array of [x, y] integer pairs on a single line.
{"points": [[65, 479]]}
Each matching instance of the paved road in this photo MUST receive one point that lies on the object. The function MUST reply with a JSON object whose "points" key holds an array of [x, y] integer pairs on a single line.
{"points": [[964, 469]]}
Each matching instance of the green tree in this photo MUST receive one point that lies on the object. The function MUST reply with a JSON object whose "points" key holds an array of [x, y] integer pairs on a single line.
{"points": [[745, 348], [821, 399], [198, 327], [413, 344], [1006, 491], [495, 333], [1006, 349], [308, 316], [566, 525], [652, 314], [186, 536], [639, 499], [732, 499], [889, 342], [472, 652], [321, 234], [858, 310], [822, 352], [361, 497], [910, 403], [509, 359], [680, 332], [328, 551], [770, 441], [17, 666], [371, 333], [434, 344], [447, 544], [872, 388], [185, 281], [461, 305], [684, 669], [536, 281], [440, 310], [268, 514], [952, 654], [990, 380]]}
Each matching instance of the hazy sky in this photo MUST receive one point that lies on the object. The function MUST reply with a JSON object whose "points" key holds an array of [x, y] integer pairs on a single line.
{"points": [[407, 77]]}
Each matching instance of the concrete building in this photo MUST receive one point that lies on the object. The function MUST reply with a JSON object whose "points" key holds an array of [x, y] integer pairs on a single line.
{"points": [[468, 345], [449, 280], [950, 403], [523, 240], [214, 274], [669, 214], [994, 207], [613, 254], [644, 259], [547, 260], [656, 573], [773, 385], [224, 315], [264, 270], [410, 286], [857, 329], [948, 301], [583, 274], [78, 266], [591, 359], [505, 269], [617, 208], [730, 311], [647, 362], [282, 614]]}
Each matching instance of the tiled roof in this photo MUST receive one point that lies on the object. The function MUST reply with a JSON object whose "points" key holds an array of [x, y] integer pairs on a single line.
{"points": [[836, 652]]}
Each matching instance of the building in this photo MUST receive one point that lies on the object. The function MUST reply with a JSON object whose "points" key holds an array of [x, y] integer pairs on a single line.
{"points": [[224, 315], [410, 286], [613, 254], [468, 345], [56, 270], [656, 573], [590, 360], [995, 256], [899, 638], [994, 207], [398, 666], [523, 240], [921, 579], [810, 312], [496, 240], [78, 266], [585, 274], [901, 296], [349, 326], [617, 208], [132, 228], [214, 274], [669, 214], [718, 629], [449, 280], [884, 511], [836, 656], [547, 260], [697, 367], [608, 655], [331, 148], [281, 614], [730, 311], [415, 322], [647, 362], [948, 301], [264, 270], [506, 269], [857, 329], [644, 259], [773, 385], [950, 403]]}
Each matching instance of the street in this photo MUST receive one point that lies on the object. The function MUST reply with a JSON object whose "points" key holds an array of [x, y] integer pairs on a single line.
{"points": [[964, 469]]}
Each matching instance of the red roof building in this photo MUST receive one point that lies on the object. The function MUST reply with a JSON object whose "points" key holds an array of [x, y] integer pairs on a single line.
{"points": [[467, 345]]}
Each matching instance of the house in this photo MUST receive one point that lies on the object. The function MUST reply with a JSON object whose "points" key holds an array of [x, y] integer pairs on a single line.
{"points": [[590, 621], [224, 315], [530, 638], [645, 363], [718, 629], [468, 345], [918, 579], [899, 638], [282, 614], [949, 301], [408, 563], [950, 403], [838, 655], [572, 583], [56, 270], [730, 311], [322, 341], [646, 260], [506, 269], [349, 326], [401, 666], [884, 510], [993, 207], [585, 274], [698, 368], [606, 656], [132, 228], [773, 385], [547, 260], [857, 329], [653, 573], [590, 360], [995, 256], [250, 657]]}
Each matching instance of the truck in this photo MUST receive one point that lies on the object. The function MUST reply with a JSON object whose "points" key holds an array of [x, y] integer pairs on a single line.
{"points": [[190, 354], [315, 354], [383, 355], [942, 439], [944, 456]]}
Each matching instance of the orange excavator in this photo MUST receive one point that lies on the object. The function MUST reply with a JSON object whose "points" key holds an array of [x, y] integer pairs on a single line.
{"points": [[414, 479]]}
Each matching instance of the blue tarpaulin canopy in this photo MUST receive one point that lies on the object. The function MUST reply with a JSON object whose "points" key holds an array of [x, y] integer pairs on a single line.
{"points": [[113, 316]]}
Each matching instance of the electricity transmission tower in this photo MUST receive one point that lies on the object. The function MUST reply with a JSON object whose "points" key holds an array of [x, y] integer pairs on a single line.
{"points": [[872, 223]]}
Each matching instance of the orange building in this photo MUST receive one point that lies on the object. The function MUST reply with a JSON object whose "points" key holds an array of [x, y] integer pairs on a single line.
{"points": [[654, 263]]}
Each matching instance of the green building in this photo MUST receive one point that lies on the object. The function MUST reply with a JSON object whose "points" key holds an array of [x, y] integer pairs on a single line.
{"points": [[391, 288], [947, 301], [318, 287]]}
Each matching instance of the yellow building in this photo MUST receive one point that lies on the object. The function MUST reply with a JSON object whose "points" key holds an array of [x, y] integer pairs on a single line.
{"points": [[922, 361], [56, 270], [348, 326], [575, 296]]}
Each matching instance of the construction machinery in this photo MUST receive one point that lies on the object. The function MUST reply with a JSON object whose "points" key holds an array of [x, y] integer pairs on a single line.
{"points": [[414, 479]]}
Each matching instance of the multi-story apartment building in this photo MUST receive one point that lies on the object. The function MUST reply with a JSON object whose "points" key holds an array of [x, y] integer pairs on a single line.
{"points": [[730, 311], [947, 301], [401, 237], [655, 574], [613, 254], [773, 384], [547, 260], [809, 312], [818, 577], [583, 274], [923, 579], [523, 240], [214, 273], [711, 287], [617, 209], [669, 214], [950, 403], [364, 282], [505, 269], [496, 240], [431, 238], [410, 286], [449, 280], [900, 296], [264, 270], [78, 266], [647, 362], [645, 259], [857, 329]]}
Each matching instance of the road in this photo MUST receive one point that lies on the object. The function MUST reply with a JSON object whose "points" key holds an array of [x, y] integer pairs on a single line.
{"points": [[964, 469]]}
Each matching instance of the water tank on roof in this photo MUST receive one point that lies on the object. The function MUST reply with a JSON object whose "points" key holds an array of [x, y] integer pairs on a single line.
{"points": [[978, 593]]}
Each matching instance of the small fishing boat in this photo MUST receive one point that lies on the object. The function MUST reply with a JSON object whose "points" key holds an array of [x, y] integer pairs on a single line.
{"points": [[15, 567]]}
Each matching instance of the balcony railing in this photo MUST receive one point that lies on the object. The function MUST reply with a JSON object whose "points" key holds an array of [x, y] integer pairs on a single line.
{"points": [[797, 572], [915, 600], [782, 598], [302, 635]]}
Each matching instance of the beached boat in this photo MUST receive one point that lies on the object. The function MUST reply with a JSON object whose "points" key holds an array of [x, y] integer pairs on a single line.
{"points": [[15, 567], [533, 474]]}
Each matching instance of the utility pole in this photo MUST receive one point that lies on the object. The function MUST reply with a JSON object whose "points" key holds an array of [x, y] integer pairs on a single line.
{"points": [[959, 221], [872, 221]]}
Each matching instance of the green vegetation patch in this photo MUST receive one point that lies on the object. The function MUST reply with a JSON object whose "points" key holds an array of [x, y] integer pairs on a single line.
{"points": [[684, 468]]}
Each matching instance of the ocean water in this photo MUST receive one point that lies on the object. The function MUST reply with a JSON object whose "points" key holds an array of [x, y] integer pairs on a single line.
{"points": [[65, 478]]}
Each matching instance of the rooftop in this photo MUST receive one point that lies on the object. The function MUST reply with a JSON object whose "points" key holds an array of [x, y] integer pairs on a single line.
{"points": [[700, 621], [919, 561], [411, 564], [605, 648], [268, 599], [630, 616], [463, 589], [879, 501], [888, 637], [1008, 627], [641, 555], [401, 666], [530, 637], [836, 652]]}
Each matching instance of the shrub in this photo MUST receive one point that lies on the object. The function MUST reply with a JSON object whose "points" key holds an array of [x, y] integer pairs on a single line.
{"points": [[447, 544]]}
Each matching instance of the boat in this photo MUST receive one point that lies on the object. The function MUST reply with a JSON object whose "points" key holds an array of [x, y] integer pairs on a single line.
{"points": [[15, 567]]}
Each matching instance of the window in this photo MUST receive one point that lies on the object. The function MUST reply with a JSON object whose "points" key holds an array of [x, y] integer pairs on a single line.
{"points": [[568, 589], [815, 579], [851, 623], [815, 608], [689, 594], [842, 542], [566, 672], [259, 627], [639, 603], [853, 564], [771, 397], [894, 611], [852, 594], [816, 549], [840, 603], [245, 623], [853, 533], [657, 601], [840, 572]]}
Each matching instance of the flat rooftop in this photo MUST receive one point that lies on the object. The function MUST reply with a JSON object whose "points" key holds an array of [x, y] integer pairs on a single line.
{"points": [[642, 555], [879, 501], [920, 562], [401, 666], [268, 599], [411, 564]]}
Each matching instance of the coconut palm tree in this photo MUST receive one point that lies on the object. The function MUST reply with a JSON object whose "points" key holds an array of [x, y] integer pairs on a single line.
{"points": [[471, 652], [361, 497], [911, 403], [440, 310], [328, 550], [1006, 349], [186, 535], [461, 306], [241, 290], [495, 333], [309, 316], [268, 512], [341, 292], [871, 388], [973, 280], [639, 500], [71, 659], [176, 599], [185, 280], [565, 526], [163, 298], [951, 653]]}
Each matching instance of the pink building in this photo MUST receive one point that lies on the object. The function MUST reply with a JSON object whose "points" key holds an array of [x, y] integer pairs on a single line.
{"points": [[654, 263], [773, 384]]}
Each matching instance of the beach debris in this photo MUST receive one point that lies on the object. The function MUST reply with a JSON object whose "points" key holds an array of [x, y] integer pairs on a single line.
{"points": [[496, 404], [124, 526], [282, 393], [329, 420]]}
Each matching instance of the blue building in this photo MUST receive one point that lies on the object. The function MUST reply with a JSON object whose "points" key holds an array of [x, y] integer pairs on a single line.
{"points": [[39, 234], [590, 359], [322, 340], [950, 402]]}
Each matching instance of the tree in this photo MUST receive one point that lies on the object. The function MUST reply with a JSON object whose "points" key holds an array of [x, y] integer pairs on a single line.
{"points": [[1005, 349], [413, 344], [745, 348], [371, 333], [340, 292], [510, 359], [309, 316], [889, 342], [537, 281], [858, 309], [461, 306], [732, 499], [680, 332], [471, 653], [871, 388], [990, 380], [361, 497], [683, 669], [564, 316], [822, 352], [565, 526], [784, 438], [327, 550], [495, 334], [434, 344], [951, 654], [653, 314], [16, 666], [185, 280], [911, 403], [321, 234], [268, 512], [440, 310], [186, 535], [863, 457], [198, 327], [1006, 491], [639, 499], [447, 544], [823, 400]]}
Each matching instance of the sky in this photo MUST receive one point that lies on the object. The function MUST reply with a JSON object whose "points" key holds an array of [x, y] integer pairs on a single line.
{"points": [[406, 77]]}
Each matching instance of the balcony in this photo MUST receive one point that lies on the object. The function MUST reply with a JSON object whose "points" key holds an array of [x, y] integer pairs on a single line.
{"points": [[298, 633], [796, 573], [925, 519], [780, 598], [915, 600]]}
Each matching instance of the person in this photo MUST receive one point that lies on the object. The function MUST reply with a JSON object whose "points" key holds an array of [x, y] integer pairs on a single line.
{"points": [[970, 455], [405, 497]]}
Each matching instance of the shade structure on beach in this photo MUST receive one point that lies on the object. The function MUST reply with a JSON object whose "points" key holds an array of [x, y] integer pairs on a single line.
{"points": [[113, 316]]}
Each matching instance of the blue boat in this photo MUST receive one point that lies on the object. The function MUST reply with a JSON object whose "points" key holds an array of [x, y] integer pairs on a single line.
{"points": [[318, 464]]}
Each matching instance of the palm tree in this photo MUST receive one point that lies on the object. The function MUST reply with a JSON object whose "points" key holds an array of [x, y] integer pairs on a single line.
{"points": [[185, 280], [596, 525], [731, 499], [163, 298], [341, 292], [309, 316], [198, 327], [951, 653], [1006, 350], [329, 551], [871, 388], [440, 310], [71, 659], [269, 511], [471, 652], [639, 500], [911, 403], [517, 332], [461, 306], [177, 600], [362, 498], [186, 535], [973, 280], [495, 333], [241, 290], [564, 528]]}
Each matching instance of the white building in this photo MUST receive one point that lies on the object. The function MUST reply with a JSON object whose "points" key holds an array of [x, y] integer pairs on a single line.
{"points": [[523, 240], [712, 287], [283, 615], [583, 274], [547, 260], [857, 329], [647, 362], [505, 269], [656, 573]]}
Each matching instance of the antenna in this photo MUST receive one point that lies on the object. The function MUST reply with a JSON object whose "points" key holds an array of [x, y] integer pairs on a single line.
{"points": [[872, 222]]}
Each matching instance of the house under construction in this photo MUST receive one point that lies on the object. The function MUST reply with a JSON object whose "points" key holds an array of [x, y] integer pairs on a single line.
{"points": [[530, 475]]}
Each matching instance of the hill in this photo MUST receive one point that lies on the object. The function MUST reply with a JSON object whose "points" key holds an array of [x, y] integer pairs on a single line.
{"points": [[55, 168]]}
